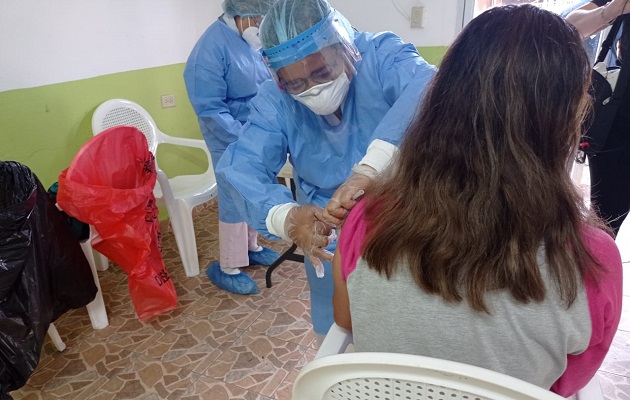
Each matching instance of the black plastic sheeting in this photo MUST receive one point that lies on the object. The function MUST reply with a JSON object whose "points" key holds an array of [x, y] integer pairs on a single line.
{"points": [[43, 272]]}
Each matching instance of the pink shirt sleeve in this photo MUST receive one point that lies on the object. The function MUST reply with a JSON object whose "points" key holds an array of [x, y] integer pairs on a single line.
{"points": [[604, 303], [351, 239]]}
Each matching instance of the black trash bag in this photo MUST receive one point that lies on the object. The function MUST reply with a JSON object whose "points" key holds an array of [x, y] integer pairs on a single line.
{"points": [[43, 272]]}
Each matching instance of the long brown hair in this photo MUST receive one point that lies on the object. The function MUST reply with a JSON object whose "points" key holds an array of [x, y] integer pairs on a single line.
{"points": [[481, 180]]}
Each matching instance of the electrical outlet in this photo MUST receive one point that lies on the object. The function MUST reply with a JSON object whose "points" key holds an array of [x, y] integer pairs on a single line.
{"points": [[416, 17], [168, 100]]}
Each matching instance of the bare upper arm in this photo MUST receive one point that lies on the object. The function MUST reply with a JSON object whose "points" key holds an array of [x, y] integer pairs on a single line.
{"points": [[591, 18], [341, 301], [588, 6]]}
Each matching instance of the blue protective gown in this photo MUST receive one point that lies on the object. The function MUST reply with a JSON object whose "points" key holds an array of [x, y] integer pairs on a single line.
{"points": [[382, 99], [222, 75]]}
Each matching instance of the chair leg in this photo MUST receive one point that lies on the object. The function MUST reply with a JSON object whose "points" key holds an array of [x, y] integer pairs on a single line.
{"points": [[336, 342], [287, 255], [55, 338], [102, 262], [592, 391], [96, 309], [184, 231]]}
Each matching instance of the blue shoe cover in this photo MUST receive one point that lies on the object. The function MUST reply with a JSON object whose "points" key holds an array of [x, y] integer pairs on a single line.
{"points": [[240, 283], [263, 257]]}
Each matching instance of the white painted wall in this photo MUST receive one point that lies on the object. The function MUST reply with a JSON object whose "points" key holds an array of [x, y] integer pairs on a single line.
{"points": [[442, 18], [45, 42]]}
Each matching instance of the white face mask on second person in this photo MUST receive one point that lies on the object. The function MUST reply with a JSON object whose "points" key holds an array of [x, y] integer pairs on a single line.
{"points": [[326, 98], [229, 21], [250, 35]]}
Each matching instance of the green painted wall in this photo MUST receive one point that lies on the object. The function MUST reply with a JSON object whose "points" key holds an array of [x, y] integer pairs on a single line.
{"points": [[43, 127], [433, 55]]}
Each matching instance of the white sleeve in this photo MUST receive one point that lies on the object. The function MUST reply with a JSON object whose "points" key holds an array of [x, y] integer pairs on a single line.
{"points": [[379, 154], [276, 218]]}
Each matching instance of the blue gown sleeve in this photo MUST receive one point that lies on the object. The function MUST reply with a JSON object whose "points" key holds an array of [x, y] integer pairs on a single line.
{"points": [[207, 91], [249, 166], [404, 76]]}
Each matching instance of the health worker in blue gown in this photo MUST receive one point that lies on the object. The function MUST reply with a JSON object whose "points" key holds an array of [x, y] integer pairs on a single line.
{"points": [[339, 104], [222, 75]]}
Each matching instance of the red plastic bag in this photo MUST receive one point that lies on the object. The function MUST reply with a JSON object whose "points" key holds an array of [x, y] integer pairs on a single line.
{"points": [[109, 185]]}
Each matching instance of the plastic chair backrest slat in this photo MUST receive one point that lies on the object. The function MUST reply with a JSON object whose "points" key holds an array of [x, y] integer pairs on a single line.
{"points": [[131, 117], [385, 388]]}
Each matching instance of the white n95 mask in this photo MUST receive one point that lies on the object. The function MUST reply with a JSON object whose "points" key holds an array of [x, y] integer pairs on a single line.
{"points": [[250, 35], [326, 98]]}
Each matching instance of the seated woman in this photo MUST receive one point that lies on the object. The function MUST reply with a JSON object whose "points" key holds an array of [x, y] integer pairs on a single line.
{"points": [[475, 246]]}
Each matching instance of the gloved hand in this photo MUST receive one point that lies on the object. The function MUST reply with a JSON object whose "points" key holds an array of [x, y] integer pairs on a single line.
{"points": [[348, 194], [305, 227]]}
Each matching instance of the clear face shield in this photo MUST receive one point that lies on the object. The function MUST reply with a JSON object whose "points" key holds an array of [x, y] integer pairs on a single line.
{"points": [[314, 58]]}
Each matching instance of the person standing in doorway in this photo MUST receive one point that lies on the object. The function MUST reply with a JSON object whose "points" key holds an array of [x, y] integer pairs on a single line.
{"points": [[610, 166]]}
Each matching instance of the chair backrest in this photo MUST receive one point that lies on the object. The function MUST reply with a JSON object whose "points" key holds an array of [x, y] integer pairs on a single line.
{"points": [[117, 112], [381, 376]]}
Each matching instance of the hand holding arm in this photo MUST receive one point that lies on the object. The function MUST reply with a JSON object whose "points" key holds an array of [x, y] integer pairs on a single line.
{"points": [[348, 194], [304, 226], [591, 19], [377, 157]]}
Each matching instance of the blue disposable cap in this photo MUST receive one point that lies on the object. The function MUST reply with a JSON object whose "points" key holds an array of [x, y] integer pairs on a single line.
{"points": [[322, 34]]}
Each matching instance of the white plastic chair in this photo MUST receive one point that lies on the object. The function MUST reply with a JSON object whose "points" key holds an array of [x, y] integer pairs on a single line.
{"points": [[388, 376], [55, 338], [96, 309], [181, 193]]}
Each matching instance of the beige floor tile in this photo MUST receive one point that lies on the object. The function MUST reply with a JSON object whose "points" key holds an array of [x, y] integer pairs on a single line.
{"points": [[146, 379], [284, 391], [84, 364], [288, 320], [30, 393], [210, 389], [194, 344], [256, 363]]}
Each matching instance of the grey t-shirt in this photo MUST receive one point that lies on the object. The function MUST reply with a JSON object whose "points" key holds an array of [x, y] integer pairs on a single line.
{"points": [[527, 341]]}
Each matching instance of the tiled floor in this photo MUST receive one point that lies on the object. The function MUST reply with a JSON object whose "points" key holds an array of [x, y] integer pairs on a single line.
{"points": [[216, 345]]}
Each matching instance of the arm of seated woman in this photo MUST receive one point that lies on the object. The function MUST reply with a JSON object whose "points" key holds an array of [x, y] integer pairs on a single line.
{"points": [[341, 302]]}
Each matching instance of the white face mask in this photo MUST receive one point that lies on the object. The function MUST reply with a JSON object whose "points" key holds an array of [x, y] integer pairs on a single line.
{"points": [[250, 35], [326, 98]]}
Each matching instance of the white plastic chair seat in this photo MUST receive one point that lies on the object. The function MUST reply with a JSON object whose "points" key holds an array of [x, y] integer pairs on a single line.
{"points": [[181, 193], [192, 188], [388, 376]]}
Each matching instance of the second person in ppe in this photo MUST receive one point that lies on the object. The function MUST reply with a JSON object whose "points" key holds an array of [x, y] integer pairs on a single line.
{"points": [[339, 104], [222, 75]]}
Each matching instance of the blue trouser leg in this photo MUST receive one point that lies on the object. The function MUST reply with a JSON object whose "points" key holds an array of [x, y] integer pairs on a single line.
{"points": [[321, 295]]}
